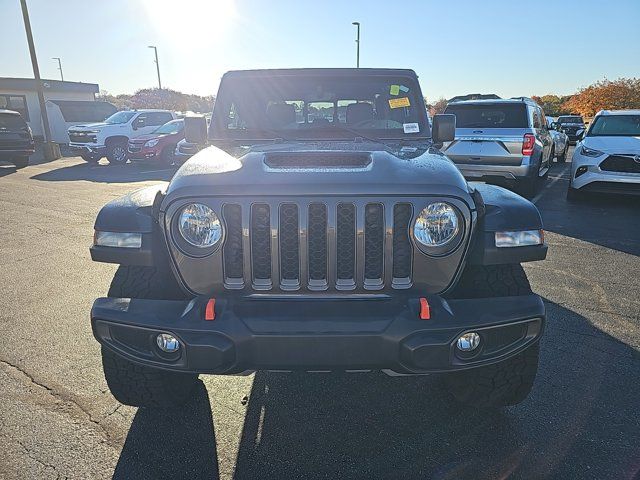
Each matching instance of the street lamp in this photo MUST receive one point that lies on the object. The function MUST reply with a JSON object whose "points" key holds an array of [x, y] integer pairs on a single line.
{"points": [[59, 67], [157, 66], [357, 24]]}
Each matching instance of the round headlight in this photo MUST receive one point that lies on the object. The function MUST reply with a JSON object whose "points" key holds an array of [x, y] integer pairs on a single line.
{"points": [[437, 225], [199, 225]]}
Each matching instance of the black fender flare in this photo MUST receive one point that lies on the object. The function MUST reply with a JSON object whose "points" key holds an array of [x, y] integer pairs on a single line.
{"points": [[502, 210]]}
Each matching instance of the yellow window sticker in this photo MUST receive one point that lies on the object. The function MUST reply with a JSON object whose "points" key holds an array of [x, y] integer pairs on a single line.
{"points": [[394, 90], [399, 102]]}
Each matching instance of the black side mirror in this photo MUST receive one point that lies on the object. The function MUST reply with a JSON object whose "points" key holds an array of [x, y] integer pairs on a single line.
{"points": [[443, 128], [195, 129]]}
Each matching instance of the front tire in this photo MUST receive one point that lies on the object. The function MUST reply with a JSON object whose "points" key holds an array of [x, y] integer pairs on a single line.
{"points": [[139, 385], [20, 162], [117, 152], [507, 382]]}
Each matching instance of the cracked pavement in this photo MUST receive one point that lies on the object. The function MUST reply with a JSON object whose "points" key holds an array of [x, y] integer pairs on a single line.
{"points": [[58, 419]]}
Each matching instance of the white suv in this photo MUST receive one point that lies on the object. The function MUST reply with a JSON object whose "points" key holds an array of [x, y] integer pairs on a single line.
{"points": [[110, 138], [607, 159]]}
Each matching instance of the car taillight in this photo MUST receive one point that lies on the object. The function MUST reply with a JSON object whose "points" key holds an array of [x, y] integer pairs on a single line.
{"points": [[528, 142]]}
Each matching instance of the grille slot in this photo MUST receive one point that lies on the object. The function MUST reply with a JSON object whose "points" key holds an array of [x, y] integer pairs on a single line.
{"points": [[232, 251], [317, 246], [620, 163], [373, 245], [289, 246], [261, 246]]}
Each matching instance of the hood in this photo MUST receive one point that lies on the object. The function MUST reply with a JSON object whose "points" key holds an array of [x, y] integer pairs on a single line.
{"points": [[614, 145], [90, 126], [346, 168], [147, 137]]}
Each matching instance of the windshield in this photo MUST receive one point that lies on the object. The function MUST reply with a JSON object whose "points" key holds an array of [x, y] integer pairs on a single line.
{"points": [[489, 115], [174, 126], [11, 122], [119, 117], [570, 120], [320, 107], [615, 126]]}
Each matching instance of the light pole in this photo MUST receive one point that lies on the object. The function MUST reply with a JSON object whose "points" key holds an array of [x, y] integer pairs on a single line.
{"points": [[59, 67], [157, 66], [357, 24], [51, 149]]}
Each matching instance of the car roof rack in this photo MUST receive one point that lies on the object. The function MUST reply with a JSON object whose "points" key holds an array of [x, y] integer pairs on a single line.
{"points": [[474, 96]]}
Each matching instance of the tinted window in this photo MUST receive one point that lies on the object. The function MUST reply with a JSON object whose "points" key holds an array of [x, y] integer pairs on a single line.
{"points": [[119, 118], [615, 125], [537, 119], [11, 122], [319, 106], [157, 118], [489, 115], [570, 120], [17, 103], [174, 126]]}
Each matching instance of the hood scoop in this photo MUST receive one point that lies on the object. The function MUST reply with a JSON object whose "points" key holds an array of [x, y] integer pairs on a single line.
{"points": [[319, 161]]}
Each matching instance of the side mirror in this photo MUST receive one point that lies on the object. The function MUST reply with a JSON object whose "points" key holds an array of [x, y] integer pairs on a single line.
{"points": [[443, 128], [195, 129]]}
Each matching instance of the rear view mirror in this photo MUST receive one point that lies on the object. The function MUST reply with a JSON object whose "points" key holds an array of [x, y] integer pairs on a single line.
{"points": [[195, 129], [443, 128]]}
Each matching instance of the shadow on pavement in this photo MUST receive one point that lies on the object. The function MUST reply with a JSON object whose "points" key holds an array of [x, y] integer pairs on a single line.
{"points": [[171, 443], [580, 421], [608, 216], [108, 174]]}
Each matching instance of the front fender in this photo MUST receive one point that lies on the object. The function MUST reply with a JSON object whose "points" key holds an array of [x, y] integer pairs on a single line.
{"points": [[132, 213], [504, 211]]}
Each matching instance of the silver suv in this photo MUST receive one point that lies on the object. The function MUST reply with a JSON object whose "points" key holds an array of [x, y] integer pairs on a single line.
{"points": [[501, 141]]}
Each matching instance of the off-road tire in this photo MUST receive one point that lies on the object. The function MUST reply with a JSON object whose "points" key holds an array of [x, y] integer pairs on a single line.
{"points": [[20, 162], [507, 382], [499, 385], [141, 386], [117, 152], [134, 384]]}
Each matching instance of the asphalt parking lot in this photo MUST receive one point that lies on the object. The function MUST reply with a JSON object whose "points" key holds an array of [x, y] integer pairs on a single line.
{"points": [[58, 419]]}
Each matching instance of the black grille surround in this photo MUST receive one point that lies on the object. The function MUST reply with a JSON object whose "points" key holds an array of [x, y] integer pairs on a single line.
{"points": [[82, 137], [621, 163]]}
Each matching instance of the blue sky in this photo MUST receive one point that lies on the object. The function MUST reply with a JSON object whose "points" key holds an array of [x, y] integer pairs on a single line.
{"points": [[456, 46]]}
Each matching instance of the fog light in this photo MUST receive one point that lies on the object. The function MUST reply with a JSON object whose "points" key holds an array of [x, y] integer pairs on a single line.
{"points": [[581, 171], [468, 342], [167, 343]]}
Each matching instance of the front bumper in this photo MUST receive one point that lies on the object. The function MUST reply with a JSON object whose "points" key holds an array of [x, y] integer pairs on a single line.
{"points": [[88, 148], [137, 152], [285, 333], [601, 181]]}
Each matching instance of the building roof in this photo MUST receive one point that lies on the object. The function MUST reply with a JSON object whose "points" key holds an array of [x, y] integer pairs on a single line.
{"points": [[30, 84]]}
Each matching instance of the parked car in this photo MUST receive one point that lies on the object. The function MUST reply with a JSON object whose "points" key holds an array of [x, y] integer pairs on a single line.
{"points": [[185, 150], [607, 159], [501, 141], [229, 268], [111, 137], [560, 141], [16, 140], [158, 145], [573, 126]]}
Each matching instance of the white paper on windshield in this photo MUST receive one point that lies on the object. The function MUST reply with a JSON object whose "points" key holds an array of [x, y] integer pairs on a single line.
{"points": [[411, 128]]}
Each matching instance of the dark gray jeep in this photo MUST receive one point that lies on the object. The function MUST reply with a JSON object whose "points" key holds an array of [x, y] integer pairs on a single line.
{"points": [[320, 230]]}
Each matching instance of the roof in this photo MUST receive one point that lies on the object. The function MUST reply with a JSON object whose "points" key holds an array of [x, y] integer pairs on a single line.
{"points": [[322, 71], [619, 112], [496, 100], [31, 84], [9, 112], [474, 96]]}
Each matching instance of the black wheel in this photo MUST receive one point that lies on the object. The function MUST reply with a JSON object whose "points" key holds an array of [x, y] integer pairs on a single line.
{"points": [[117, 152], [507, 382], [134, 384], [20, 162], [91, 159], [166, 157]]}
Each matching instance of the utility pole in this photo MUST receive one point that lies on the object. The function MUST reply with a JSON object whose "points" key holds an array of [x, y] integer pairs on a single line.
{"points": [[51, 149], [157, 66], [59, 67], [357, 24]]}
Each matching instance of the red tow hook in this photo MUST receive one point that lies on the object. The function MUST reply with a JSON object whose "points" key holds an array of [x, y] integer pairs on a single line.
{"points": [[425, 311], [210, 310]]}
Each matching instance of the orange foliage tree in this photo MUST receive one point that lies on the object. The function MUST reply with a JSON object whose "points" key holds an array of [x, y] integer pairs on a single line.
{"points": [[623, 93]]}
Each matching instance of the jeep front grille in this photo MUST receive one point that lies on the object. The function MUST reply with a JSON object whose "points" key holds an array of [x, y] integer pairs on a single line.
{"points": [[317, 246]]}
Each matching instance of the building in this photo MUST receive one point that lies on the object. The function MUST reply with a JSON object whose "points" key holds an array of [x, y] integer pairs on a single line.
{"points": [[68, 103]]}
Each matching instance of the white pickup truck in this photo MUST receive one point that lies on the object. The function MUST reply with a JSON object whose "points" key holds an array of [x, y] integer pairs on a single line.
{"points": [[110, 138]]}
